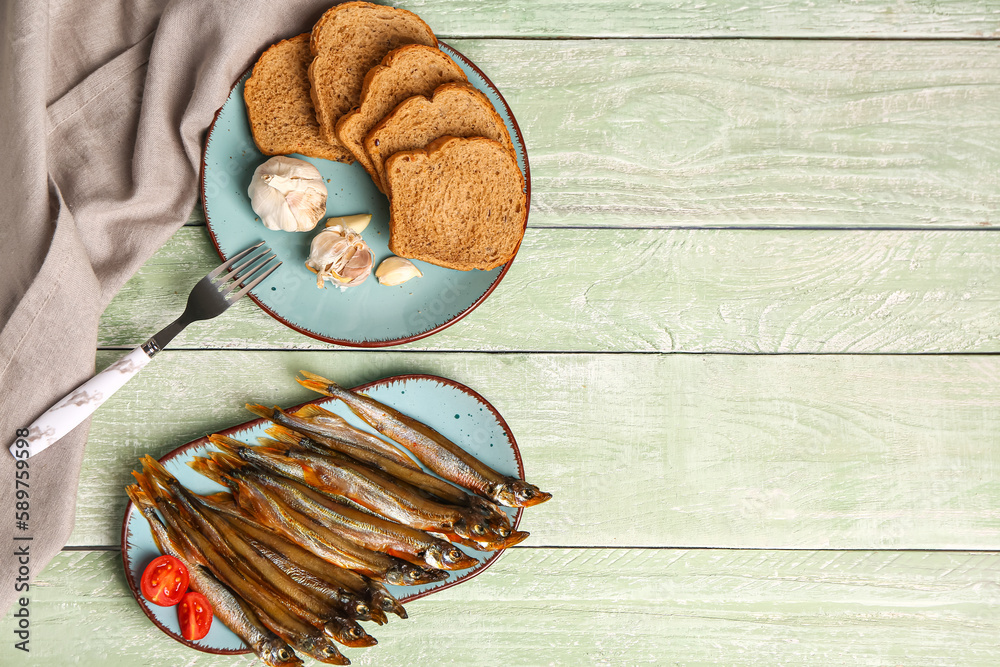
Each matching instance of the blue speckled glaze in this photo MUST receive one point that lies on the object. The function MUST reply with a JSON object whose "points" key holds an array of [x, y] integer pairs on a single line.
{"points": [[450, 408], [368, 314]]}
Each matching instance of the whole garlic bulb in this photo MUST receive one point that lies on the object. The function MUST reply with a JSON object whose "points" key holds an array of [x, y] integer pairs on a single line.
{"points": [[288, 194], [339, 255]]}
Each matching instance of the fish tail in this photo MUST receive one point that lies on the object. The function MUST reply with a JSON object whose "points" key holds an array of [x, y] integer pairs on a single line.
{"points": [[155, 470], [208, 468], [225, 443], [139, 498], [314, 376], [147, 508], [312, 411], [222, 501], [226, 463], [260, 410], [278, 449], [318, 383], [283, 435], [148, 487]]}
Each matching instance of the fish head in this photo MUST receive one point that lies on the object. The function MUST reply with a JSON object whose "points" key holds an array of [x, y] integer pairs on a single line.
{"points": [[518, 493], [472, 527], [387, 603], [405, 574], [361, 610], [500, 528], [448, 557], [276, 653], [497, 521], [349, 633], [322, 649], [510, 540]]}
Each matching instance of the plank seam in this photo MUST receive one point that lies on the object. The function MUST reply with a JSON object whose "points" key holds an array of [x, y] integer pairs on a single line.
{"points": [[751, 228], [726, 38], [669, 548], [120, 348]]}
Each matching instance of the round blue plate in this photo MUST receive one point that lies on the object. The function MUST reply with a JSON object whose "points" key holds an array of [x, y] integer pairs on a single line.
{"points": [[454, 410], [368, 315]]}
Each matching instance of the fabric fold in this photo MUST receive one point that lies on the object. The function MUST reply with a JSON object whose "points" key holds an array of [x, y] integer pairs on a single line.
{"points": [[103, 122]]}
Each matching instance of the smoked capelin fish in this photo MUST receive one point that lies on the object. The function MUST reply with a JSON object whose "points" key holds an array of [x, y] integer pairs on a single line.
{"points": [[265, 604], [233, 545], [226, 606], [339, 476], [260, 496], [378, 599], [335, 431], [364, 528], [293, 556], [317, 429], [494, 531], [336, 597], [431, 448], [310, 604]]}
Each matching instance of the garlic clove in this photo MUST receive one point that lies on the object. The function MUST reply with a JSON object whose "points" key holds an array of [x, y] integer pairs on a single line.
{"points": [[357, 223], [339, 255], [396, 271], [288, 194]]}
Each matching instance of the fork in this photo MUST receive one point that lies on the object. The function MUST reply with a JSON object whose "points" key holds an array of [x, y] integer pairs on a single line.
{"points": [[210, 297]]}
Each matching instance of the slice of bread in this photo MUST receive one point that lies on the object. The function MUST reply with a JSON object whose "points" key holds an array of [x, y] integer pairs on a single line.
{"points": [[456, 109], [410, 70], [459, 203], [347, 41], [279, 105]]}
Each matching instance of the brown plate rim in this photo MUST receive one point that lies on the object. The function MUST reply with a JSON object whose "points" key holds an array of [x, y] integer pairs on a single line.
{"points": [[198, 442], [392, 341]]}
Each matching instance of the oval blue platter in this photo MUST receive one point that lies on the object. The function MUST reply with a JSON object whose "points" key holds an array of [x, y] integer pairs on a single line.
{"points": [[451, 408], [370, 314]]}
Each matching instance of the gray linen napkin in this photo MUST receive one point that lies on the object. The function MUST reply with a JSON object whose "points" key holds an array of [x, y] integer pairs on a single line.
{"points": [[103, 108]]}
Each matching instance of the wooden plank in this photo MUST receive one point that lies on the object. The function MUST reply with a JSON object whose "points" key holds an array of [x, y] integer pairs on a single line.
{"points": [[714, 18], [793, 451], [754, 133], [663, 291], [603, 606]]}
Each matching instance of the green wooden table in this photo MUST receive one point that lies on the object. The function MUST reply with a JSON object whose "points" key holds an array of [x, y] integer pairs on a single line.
{"points": [[749, 342]]}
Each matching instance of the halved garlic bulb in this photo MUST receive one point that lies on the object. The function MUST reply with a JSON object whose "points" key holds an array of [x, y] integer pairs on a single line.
{"points": [[339, 255], [396, 271], [357, 222], [288, 194]]}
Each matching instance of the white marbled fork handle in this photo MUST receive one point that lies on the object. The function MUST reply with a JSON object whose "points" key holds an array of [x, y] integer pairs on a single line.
{"points": [[80, 403], [211, 296]]}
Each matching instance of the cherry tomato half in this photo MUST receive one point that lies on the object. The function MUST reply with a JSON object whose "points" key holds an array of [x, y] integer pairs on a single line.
{"points": [[195, 615], [164, 581]]}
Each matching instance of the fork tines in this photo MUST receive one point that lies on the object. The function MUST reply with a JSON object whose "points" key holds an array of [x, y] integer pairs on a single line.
{"points": [[253, 267]]}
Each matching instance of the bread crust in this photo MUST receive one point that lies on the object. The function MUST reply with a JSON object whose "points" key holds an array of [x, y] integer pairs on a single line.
{"points": [[279, 105], [459, 203], [419, 120], [413, 69], [347, 41]]}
